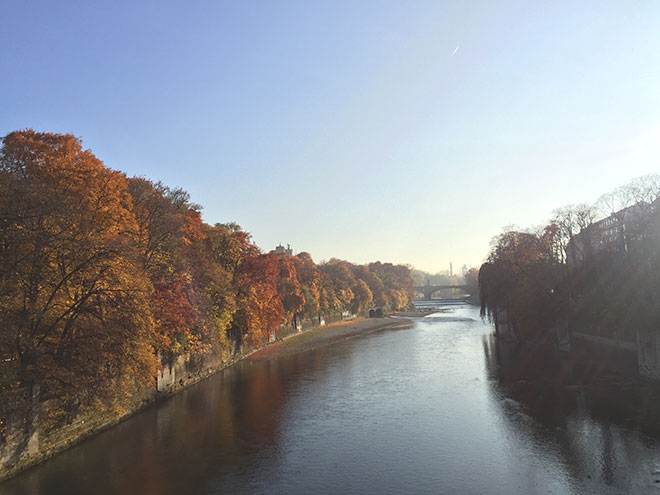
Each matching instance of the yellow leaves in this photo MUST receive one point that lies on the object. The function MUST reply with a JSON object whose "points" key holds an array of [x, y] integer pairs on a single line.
{"points": [[78, 290], [118, 268]]}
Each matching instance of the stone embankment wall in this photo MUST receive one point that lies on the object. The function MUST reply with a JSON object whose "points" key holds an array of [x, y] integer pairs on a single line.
{"points": [[641, 356], [25, 441], [648, 354], [503, 327], [605, 354]]}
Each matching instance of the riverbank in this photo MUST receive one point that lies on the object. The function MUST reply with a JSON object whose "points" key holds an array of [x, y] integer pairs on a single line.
{"points": [[326, 335], [23, 449], [415, 313]]}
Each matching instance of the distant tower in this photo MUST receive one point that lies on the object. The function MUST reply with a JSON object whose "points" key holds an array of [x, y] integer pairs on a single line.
{"points": [[464, 270], [451, 269], [289, 251]]}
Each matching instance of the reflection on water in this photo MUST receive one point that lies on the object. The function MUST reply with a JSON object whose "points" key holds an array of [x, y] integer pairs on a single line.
{"points": [[603, 428], [443, 407]]}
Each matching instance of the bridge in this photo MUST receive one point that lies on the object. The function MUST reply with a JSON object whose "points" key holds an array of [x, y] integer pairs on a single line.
{"points": [[429, 290]]}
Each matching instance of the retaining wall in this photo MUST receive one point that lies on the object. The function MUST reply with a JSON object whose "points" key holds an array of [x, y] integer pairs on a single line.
{"points": [[25, 441], [648, 354]]}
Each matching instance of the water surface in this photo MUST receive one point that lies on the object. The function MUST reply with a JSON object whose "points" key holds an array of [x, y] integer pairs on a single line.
{"points": [[438, 408]]}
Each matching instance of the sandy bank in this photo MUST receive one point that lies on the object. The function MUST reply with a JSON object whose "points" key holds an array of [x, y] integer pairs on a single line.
{"points": [[322, 336]]}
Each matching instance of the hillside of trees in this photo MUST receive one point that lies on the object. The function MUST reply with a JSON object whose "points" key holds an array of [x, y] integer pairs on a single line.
{"points": [[102, 277], [592, 268]]}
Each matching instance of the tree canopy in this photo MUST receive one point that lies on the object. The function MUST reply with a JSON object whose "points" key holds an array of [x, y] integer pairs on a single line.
{"points": [[102, 277]]}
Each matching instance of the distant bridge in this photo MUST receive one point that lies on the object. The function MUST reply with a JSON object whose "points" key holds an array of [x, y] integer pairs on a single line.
{"points": [[429, 290]]}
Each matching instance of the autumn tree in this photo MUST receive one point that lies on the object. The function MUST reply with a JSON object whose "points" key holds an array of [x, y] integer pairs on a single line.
{"points": [[522, 277], [310, 280], [329, 303], [362, 297], [259, 306], [226, 247], [356, 288], [167, 226], [212, 292], [376, 287], [397, 282], [288, 286], [341, 281], [73, 295]]}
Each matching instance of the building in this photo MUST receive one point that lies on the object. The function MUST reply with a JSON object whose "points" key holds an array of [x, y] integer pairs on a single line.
{"points": [[614, 233], [282, 250]]}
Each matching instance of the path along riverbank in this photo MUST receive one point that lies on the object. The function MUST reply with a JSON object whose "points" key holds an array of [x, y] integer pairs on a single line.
{"points": [[326, 335]]}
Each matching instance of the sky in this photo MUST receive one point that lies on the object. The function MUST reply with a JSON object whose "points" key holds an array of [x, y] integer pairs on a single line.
{"points": [[409, 132]]}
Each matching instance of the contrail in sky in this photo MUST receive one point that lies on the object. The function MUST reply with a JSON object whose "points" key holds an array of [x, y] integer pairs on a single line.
{"points": [[455, 50]]}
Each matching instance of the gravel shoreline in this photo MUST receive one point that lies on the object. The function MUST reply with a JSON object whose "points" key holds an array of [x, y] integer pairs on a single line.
{"points": [[322, 336]]}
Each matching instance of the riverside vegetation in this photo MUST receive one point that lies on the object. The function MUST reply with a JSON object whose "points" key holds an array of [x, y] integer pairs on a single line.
{"points": [[103, 277], [599, 277]]}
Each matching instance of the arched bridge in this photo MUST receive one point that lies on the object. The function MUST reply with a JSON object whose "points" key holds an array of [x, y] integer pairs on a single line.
{"points": [[429, 290]]}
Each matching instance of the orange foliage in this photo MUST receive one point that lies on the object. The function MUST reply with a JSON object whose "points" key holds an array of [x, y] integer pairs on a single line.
{"points": [[260, 306], [99, 274], [71, 286], [173, 314]]}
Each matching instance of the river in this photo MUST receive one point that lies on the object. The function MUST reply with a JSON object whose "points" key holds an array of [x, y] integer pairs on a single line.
{"points": [[437, 408]]}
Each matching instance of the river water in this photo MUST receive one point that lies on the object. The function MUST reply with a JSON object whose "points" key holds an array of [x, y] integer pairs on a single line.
{"points": [[442, 407]]}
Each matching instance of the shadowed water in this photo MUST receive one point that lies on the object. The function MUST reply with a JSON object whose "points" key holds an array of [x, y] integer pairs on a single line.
{"points": [[438, 408]]}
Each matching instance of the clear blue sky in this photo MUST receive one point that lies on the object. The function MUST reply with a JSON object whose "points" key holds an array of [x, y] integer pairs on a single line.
{"points": [[409, 132]]}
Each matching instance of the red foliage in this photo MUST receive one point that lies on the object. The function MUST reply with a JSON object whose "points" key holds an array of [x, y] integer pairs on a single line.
{"points": [[260, 306], [173, 313]]}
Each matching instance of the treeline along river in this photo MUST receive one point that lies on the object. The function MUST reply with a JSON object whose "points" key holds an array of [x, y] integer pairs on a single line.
{"points": [[442, 407], [110, 286]]}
